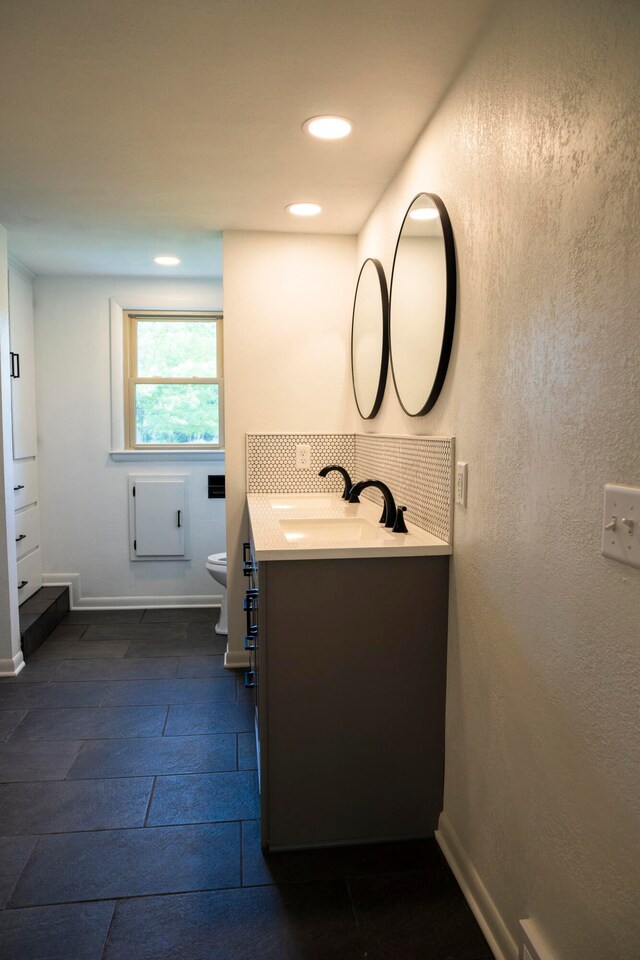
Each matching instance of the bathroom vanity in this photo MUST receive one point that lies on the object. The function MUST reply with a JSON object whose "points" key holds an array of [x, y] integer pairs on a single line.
{"points": [[347, 628]]}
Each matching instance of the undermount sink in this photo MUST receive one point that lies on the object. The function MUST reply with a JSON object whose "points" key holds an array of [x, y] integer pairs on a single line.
{"points": [[335, 530], [298, 503]]}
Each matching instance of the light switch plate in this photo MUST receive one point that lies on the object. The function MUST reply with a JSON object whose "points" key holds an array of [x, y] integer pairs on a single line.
{"points": [[461, 483], [621, 524]]}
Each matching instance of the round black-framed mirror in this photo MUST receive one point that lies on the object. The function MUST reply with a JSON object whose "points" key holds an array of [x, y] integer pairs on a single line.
{"points": [[422, 304], [370, 338]]}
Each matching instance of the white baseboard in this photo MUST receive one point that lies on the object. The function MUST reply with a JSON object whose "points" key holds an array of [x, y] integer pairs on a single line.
{"points": [[12, 667], [491, 922], [236, 660], [78, 601]]}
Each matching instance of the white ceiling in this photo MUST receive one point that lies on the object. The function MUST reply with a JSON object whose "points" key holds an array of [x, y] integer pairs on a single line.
{"points": [[138, 127]]}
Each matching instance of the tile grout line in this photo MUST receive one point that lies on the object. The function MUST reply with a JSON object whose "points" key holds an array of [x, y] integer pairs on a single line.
{"points": [[110, 925], [146, 828], [148, 810], [19, 877], [166, 720]]}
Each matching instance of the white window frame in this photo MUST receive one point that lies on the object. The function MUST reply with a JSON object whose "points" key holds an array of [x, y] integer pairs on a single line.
{"points": [[131, 379]]}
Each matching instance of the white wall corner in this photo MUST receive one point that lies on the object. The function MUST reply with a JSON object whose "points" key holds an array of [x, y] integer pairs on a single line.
{"points": [[490, 920], [71, 580], [236, 660], [11, 668], [116, 358]]}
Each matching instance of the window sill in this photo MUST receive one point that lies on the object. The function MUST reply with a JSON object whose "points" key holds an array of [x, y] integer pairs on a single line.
{"points": [[166, 455]]}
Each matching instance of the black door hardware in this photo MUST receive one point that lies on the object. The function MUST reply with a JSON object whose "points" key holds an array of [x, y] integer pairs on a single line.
{"points": [[19, 487], [15, 365], [22, 536], [179, 518], [23, 584]]}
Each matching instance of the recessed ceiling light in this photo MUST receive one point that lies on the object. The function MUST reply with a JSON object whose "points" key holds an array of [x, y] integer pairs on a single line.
{"points": [[328, 128], [424, 213], [167, 261], [304, 209]]}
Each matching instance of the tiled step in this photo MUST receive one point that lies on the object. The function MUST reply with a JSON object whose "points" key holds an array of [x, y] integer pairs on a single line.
{"points": [[40, 615]]}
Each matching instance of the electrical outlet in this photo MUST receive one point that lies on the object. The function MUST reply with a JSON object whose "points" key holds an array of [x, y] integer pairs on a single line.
{"points": [[461, 483], [303, 456]]}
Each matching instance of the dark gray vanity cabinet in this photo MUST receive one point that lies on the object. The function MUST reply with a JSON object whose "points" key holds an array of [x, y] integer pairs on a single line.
{"points": [[350, 697]]}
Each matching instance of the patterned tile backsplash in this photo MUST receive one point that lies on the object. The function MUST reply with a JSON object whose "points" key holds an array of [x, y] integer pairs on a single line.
{"points": [[419, 470], [271, 462]]}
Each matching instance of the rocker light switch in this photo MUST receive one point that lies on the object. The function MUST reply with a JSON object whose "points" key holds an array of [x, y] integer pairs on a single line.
{"points": [[461, 483], [621, 524]]}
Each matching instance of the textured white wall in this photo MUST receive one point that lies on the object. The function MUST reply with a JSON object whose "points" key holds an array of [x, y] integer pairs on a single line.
{"points": [[84, 498], [287, 321], [535, 151]]}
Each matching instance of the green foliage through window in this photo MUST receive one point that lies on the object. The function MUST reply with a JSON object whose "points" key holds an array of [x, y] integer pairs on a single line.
{"points": [[177, 413], [174, 349]]}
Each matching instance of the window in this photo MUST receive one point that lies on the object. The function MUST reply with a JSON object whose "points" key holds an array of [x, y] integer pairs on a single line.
{"points": [[173, 380]]}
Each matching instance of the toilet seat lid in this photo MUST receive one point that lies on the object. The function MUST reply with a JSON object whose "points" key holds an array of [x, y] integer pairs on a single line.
{"points": [[217, 558]]}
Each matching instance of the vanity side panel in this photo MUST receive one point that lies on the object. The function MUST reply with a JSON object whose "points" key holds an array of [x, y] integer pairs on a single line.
{"points": [[356, 672]]}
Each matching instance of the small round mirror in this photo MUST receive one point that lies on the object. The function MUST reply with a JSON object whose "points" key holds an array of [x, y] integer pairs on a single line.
{"points": [[370, 338], [423, 304]]}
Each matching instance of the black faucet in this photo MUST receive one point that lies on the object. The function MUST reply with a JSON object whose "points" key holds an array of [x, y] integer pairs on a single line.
{"points": [[389, 510], [345, 476]]}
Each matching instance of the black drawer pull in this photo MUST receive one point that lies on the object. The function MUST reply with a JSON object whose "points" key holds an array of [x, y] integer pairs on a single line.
{"points": [[248, 566], [249, 678], [23, 584], [22, 536], [19, 487], [251, 605]]}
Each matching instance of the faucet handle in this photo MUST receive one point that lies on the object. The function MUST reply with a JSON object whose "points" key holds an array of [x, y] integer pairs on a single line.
{"points": [[400, 526]]}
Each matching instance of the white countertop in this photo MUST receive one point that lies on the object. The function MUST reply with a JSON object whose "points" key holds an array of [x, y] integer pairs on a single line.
{"points": [[276, 540]]}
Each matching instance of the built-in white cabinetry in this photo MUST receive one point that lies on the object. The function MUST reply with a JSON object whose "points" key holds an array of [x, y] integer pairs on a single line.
{"points": [[158, 518], [27, 531], [23, 382], [25, 483], [24, 433]]}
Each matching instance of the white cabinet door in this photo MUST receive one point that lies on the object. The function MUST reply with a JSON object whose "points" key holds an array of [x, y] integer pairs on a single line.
{"points": [[158, 511], [23, 383]]}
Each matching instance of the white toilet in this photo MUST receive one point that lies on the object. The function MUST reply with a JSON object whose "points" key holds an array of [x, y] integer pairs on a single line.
{"points": [[217, 567]]}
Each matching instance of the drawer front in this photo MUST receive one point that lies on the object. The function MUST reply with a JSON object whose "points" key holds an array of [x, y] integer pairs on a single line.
{"points": [[25, 482], [27, 531], [29, 575]]}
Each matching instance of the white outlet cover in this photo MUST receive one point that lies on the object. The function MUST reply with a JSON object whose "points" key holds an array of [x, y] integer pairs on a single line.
{"points": [[303, 456], [622, 541], [461, 483]]}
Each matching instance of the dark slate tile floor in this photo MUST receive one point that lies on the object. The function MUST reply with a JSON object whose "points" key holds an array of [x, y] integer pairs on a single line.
{"points": [[128, 819]]}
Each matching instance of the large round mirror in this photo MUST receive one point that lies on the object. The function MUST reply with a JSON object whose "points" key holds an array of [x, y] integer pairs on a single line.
{"points": [[370, 338], [423, 304]]}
